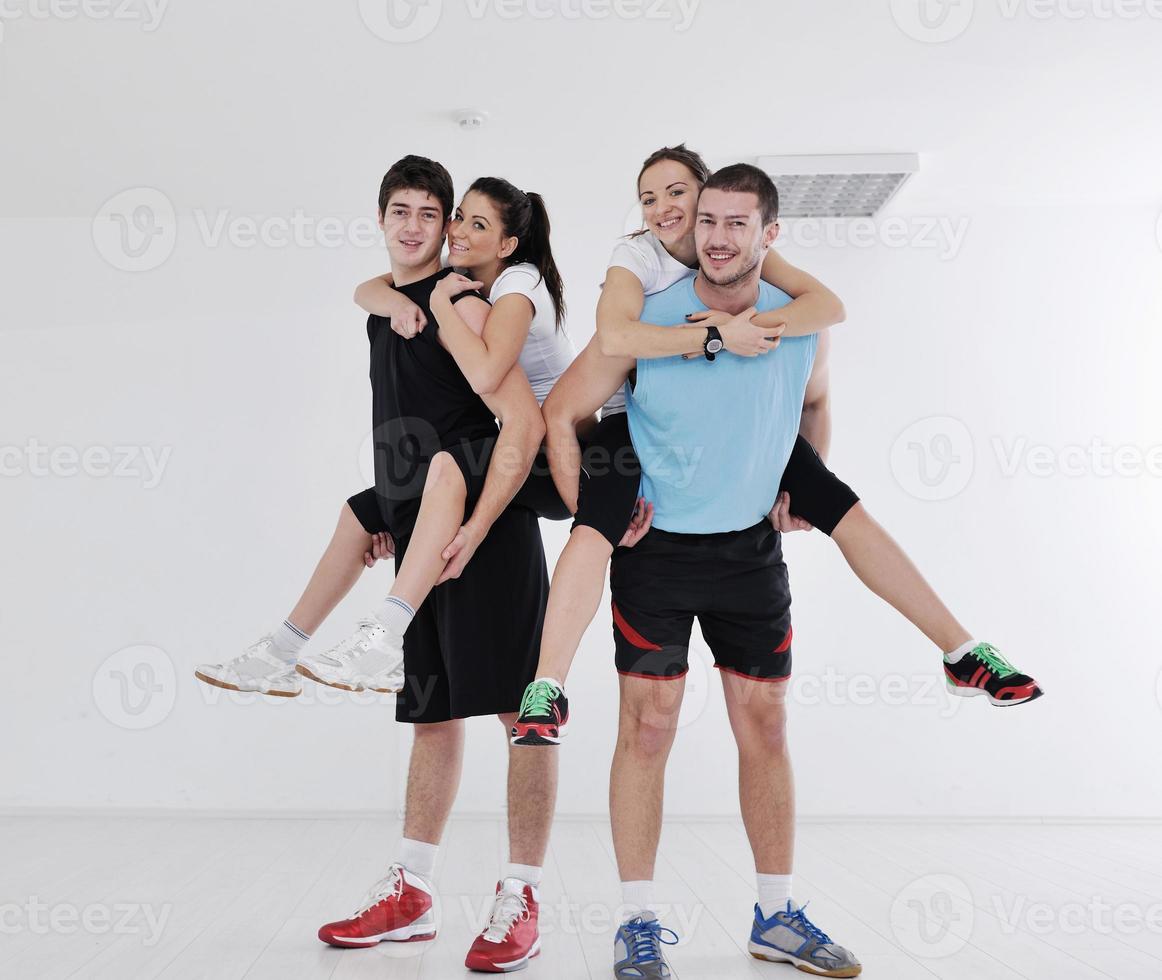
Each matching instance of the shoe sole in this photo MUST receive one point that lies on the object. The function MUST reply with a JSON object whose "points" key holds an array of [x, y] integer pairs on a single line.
{"points": [[214, 682], [344, 687], [971, 692], [510, 967], [387, 937], [531, 737], [847, 971]]}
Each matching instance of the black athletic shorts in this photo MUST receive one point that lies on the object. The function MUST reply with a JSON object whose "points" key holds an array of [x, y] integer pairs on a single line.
{"points": [[735, 583], [610, 480], [473, 645], [817, 495]]}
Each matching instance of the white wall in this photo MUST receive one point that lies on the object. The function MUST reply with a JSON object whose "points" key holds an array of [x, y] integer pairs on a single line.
{"points": [[247, 365]]}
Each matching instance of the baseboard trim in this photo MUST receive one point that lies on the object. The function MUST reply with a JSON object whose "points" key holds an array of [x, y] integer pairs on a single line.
{"points": [[171, 813]]}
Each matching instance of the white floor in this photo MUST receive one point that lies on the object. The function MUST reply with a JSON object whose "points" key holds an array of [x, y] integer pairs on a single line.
{"points": [[139, 898]]}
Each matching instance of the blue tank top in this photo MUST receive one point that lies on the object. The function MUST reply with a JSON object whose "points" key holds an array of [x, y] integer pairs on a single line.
{"points": [[714, 437]]}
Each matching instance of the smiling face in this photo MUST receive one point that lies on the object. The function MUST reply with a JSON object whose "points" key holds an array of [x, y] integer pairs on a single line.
{"points": [[413, 228], [476, 235], [730, 235], [668, 193]]}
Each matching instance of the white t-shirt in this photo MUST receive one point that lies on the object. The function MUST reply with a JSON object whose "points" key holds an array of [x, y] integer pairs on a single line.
{"points": [[656, 269], [547, 351]]}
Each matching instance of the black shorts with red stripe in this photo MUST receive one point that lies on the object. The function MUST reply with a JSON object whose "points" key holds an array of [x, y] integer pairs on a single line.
{"points": [[735, 583]]}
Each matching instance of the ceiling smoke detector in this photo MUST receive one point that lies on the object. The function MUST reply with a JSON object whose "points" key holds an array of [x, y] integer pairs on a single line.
{"points": [[838, 186], [470, 119]]}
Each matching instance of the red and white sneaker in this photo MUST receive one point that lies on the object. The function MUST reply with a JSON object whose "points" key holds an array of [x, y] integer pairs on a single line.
{"points": [[512, 936], [398, 909]]}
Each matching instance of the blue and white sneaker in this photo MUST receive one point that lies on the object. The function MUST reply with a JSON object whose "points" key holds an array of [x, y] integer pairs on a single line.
{"points": [[790, 937], [637, 953]]}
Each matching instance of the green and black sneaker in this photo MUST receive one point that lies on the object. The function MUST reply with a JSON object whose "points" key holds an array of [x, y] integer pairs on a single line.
{"points": [[544, 715], [984, 671]]}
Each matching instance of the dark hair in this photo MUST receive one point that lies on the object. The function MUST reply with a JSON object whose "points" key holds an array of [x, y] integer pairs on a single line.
{"points": [[524, 217], [418, 174], [742, 178], [679, 154]]}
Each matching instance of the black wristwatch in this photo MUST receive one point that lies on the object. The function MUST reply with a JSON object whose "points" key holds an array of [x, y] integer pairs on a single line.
{"points": [[712, 344]]}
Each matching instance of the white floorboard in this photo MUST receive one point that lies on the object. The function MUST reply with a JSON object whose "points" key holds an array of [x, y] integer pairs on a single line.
{"points": [[244, 898]]}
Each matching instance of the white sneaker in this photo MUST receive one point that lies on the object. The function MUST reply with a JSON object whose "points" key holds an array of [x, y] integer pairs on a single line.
{"points": [[257, 670], [371, 659]]}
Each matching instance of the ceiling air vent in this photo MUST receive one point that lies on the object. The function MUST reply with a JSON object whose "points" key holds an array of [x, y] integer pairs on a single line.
{"points": [[838, 186]]}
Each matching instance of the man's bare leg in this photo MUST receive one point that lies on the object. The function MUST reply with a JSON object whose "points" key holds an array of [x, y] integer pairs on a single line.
{"points": [[883, 566], [433, 778], [766, 786], [647, 725], [532, 800]]}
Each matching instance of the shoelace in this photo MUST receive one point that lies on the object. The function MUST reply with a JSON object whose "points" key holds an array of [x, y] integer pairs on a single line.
{"points": [[800, 916], [644, 938], [506, 910], [538, 699], [385, 888], [991, 657], [345, 653]]}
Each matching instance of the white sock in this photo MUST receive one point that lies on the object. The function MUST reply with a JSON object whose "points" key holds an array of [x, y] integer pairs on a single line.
{"points": [[289, 641], [418, 857], [552, 680], [394, 615], [637, 897], [954, 655], [525, 872], [774, 893]]}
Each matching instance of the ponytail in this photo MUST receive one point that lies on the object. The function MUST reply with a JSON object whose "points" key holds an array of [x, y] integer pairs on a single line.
{"points": [[525, 218], [534, 247]]}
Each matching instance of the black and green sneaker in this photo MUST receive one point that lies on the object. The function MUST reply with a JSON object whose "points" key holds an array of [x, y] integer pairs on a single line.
{"points": [[544, 715], [984, 671]]}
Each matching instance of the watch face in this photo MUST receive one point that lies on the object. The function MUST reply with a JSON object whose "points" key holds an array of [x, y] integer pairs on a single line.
{"points": [[713, 346]]}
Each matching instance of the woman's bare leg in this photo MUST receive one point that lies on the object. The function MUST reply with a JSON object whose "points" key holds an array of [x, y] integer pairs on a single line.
{"points": [[335, 575], [441, 514], [883, 566], [575, 594]]}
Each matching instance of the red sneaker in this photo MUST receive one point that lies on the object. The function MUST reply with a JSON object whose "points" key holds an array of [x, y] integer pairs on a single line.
{"points": [[511, 937], [398, 909]]}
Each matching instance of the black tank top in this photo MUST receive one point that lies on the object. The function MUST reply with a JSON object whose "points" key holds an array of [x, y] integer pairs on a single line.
{"points": [[421, 403]]}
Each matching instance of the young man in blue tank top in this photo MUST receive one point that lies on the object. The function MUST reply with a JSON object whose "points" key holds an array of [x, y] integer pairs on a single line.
{"points": [[713, 434]]}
